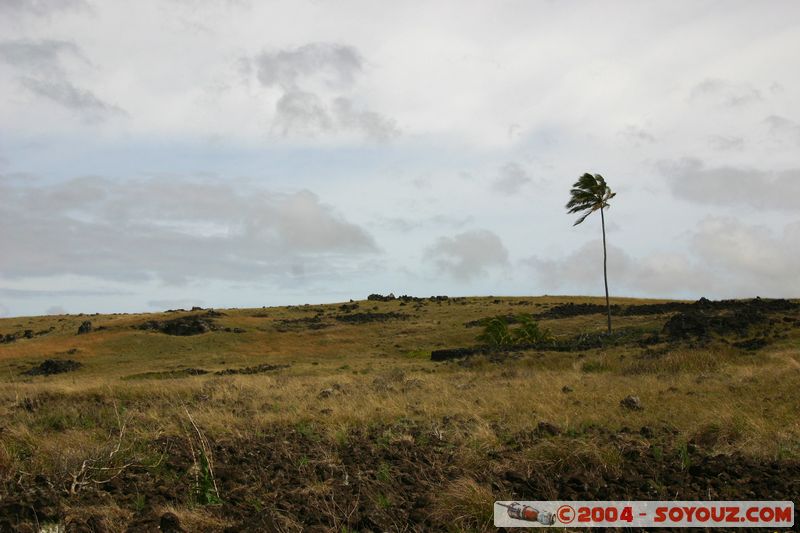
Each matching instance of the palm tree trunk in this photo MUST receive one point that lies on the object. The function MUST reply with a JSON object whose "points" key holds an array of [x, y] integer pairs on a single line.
{"points": [[605, 268]]}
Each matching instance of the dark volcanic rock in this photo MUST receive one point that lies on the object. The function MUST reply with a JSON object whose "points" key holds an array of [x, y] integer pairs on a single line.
{"points": [[631, 402], [381, 298], [752, 344], [183, 326], [250, 370], [170, 523], [362, 318], [53, 366], [85, 327]]}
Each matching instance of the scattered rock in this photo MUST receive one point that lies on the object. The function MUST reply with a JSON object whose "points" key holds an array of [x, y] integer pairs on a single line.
{"points": [[85, 327], [259, 369], [170, 523], [325, 393], [53, 366], [381, 298], [183, 326], [751, 344], [547, 428], [647, 432], [310, 322], [631, 402], [566, 389], [362, 318]]}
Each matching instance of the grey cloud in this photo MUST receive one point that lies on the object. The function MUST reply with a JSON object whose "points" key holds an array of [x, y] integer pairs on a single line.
{"points": [[66, 94], [36, 293], [725, 143], [725, 92], [437, 221], [468, 255], [753, 258], [690, 179], [39, 7], [174, 230], [45, 54], [656, 275], [783, 129], [56, 310], [301, 110], [336, 64], [511, 179], [729, 259], [637, 135], [41, 70], [372, 125]]}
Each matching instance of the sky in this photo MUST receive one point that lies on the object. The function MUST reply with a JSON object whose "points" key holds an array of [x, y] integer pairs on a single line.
{"points": [[232, 153]]}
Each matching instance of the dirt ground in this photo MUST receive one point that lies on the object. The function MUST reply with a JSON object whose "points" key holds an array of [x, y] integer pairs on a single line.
{"points": [[389, 478]]}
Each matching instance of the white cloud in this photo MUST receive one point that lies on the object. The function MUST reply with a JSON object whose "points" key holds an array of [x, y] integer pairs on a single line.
{"points": [[468, 255], [724, 258], [174, 230], [41, 68], [690, 179], [727, 93], [512, 178]]}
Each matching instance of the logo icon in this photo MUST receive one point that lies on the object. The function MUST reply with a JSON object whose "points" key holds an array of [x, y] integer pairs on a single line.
{"points": [[565, 514]]}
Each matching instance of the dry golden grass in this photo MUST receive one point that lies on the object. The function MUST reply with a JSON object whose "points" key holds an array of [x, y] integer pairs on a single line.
{"points": [[722, 398]]}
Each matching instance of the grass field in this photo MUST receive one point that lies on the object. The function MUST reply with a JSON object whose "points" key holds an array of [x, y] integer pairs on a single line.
{"points": [[300, 418]]}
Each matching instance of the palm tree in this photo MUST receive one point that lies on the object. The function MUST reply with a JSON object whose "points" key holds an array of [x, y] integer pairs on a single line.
{"points": [[589, 194]]}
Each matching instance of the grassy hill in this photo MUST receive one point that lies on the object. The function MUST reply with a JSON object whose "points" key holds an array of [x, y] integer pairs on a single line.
{"points": [[334, 417]]}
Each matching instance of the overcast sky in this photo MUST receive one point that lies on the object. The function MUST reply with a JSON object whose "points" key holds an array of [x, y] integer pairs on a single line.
{"points": [[169, 153]]}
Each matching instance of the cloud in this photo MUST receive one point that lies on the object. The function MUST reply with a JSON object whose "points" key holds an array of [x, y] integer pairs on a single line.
{"points": [[753, 258], [315, 82], [43, 54], [726, 143], [41, 69], [406, 225], [782, 128], [39, 7], [724, 258], [726, 93], [372, 125], [336, 65], [64, 93], [468, 255], [173, 230], [302, 112], [56, 310], [582, 272], [690, 179], [512, 178], [637, 135], [36, 293]]}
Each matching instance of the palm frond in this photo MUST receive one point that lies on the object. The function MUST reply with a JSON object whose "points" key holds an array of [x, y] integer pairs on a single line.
{"points": [[589, 193], [581, 219]]}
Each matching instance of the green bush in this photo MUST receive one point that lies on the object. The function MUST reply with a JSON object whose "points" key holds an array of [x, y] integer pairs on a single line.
{"points": [[497, 333]]}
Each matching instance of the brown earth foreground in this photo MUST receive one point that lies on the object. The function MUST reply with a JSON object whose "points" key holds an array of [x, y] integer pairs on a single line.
{"points": [[390, 478]]}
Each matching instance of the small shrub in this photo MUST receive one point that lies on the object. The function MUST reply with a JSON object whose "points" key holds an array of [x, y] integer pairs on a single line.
{"points": [[497, 333]]}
